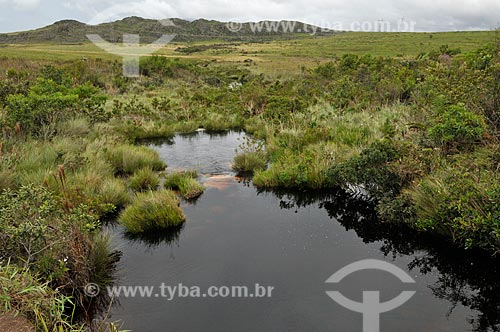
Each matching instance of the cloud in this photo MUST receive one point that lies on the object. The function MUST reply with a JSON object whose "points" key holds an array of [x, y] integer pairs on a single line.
{"points": [[155, 9], [21, 4], [429, 15]]}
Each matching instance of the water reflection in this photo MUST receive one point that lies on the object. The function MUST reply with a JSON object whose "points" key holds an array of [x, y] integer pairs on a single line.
{"points": [[236, 234], [209, 153], [153, 240], [468, 278]]}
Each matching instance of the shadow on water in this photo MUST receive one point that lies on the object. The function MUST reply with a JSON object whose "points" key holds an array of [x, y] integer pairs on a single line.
{"points": [[160, 141], [156, 239], [156, 142], [468, 278]]}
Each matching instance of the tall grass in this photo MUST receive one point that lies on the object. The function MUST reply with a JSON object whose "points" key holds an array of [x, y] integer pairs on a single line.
{"points": [[185, 183], [34, 306], [77, 127], [114, 191], [146, 130], [152, 211], [144, 179], [222, 122], [23, 294], [6, 180], [249, 162], [127, 159]]}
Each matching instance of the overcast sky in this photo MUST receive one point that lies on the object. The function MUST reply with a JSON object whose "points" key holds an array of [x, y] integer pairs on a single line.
{"points": [[428, 15]]}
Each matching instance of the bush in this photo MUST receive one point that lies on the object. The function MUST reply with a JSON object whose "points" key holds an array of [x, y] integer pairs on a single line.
{"points": [[49, 102], [25, 217], [35, 111], [144, 179], [162, 67], [152, 211], [126, 159], [185, 182], [455, 127], [54, 242], [372, 169]]}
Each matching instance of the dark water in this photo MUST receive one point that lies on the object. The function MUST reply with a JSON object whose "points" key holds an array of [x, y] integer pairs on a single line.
{"points": [[235, 235]]}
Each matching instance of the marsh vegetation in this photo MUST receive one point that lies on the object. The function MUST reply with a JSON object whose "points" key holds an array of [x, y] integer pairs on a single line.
{"points": [[418, 133]]}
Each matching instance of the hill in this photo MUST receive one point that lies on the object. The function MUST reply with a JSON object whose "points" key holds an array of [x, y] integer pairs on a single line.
{"points": [[71, 31]]}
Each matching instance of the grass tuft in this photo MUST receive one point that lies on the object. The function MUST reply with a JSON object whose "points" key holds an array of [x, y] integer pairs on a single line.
{"points": [[144, 179], [249, 162], [185, 183], [152, 211], [114, 191], [126, 159], [78, 127], [6, 180]]}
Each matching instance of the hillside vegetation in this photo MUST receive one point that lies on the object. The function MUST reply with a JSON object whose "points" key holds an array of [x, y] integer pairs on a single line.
{"points": [[70, 31]]}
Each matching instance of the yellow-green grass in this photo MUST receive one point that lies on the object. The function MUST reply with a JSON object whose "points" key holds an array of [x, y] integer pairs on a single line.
{"points": [[129, 158], [278, 57]]}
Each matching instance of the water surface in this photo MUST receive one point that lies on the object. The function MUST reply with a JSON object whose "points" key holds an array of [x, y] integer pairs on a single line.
{"points": [[236, 235]]}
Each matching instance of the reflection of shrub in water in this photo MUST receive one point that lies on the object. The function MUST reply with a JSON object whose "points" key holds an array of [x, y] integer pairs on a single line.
{"points": [[156, 239], [151, 212], [468, 278]]}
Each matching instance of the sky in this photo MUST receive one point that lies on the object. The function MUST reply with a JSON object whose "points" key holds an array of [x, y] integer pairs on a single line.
{"points": [[417, 15]]}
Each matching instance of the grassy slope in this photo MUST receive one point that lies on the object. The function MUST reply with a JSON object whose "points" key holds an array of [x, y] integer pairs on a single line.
{"points": [[270, 56]]}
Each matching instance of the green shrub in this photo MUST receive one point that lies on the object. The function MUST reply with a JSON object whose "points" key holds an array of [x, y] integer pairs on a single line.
{"points": [[25, 217], [162, 67], [249, 162], [185, 182], [54, 242], [144, 179], [49, 102], [152, 211], [455, 127], [126, 159], [372, 169], [35, 111]]}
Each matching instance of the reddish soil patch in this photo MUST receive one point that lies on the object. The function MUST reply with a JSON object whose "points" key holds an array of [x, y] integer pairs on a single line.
{"points": [[10, 323]]}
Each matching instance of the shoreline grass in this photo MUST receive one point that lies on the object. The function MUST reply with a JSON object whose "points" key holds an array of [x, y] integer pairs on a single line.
{"points": [[152, 211], [185, 182]]}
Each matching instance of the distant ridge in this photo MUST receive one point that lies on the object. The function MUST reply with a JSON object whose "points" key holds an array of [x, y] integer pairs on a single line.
{"points": [[71, 31]]}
